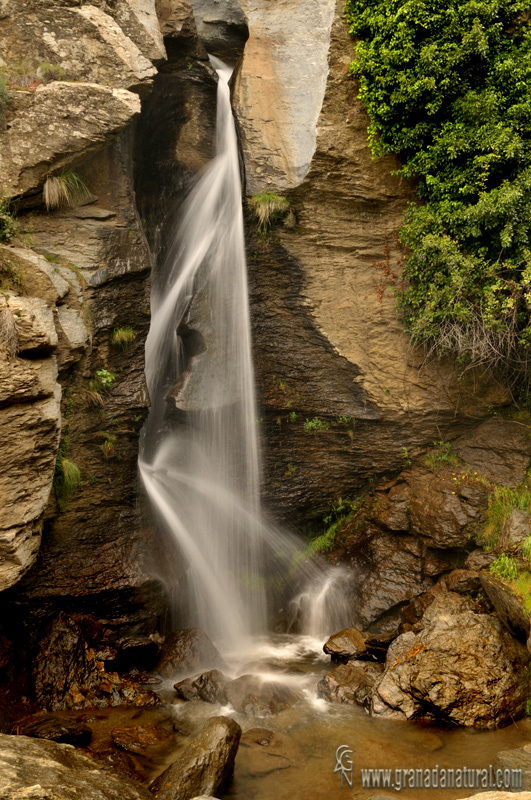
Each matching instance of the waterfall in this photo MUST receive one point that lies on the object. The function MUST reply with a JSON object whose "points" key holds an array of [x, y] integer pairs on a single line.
{"points": [[200, 462]]}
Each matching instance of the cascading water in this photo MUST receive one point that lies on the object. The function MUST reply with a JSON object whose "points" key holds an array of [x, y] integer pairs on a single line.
{"points": [[202, 473]]}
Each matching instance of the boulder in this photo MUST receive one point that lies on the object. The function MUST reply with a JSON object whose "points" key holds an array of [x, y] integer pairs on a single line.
{"points": [[519, 758], [206, 765], [250, 695], [509, 605], [56, 729], [345, 645], [40, 770], [462, 667], [209, 686], [515, 529], [186, 651], [350, 683]]}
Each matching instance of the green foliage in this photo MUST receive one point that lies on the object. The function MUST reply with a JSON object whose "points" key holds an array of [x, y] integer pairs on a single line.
{"points": [[66, 188], [67, 476], [526, 548], [11, 277], [122, 337], [522, 586], [337, 516], [7, 219], [441, 455], [316, 424], [108, 443], [292, 416], [446, 86], [4, 98], [268, 208], [50, 72], [324, 543], [502, 502], [504, 568], [105, 379]]}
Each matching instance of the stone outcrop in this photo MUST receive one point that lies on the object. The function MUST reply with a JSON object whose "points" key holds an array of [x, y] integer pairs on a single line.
{"points": [[39, 769], [186, 651], [350, 683], [327, 339], [462, 667], [206, 765]]}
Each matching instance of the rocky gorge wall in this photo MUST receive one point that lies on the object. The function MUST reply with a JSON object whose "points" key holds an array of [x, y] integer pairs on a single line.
{"points": [[133, 115]]}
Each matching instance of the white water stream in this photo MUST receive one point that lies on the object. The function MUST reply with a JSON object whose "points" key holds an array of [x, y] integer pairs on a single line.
{"points": [[202, 475]]}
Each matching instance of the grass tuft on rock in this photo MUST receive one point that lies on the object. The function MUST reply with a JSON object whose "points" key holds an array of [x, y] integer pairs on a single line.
{"points": [[268, 208], [121, 338], [66, 188]]}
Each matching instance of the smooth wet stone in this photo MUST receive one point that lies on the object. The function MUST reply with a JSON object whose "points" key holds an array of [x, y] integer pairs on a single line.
{"points": [[59, 730], [345, 645], [250, 695], [186, 651], [140, 738], [205, 767], [350, 683]]}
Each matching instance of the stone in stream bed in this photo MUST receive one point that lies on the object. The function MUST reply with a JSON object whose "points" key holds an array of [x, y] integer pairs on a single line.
{"points": [[350, 683], [209, 686], [141, 739], [250, 695], [263, 751], [348, 643], [205, 767], [55, 729], [187, 651], [42, 770], [519, 758]]}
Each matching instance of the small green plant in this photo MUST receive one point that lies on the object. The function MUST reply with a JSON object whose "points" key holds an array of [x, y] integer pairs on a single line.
{"points": [[526, 548], [108, 444], [316, 424], [104, 379], [64, 189], [344, 421], [292, 416], [50, 72], [324, 543], [291, 470], [121, 338], [441, 454], [504, 568], [67, 475], [268, 208], [528, 706], [405, 457]]}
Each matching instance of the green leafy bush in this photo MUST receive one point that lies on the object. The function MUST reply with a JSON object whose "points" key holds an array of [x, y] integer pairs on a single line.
{"points": [[316, 424], [504, 568], [122, 337], [446, 86]]}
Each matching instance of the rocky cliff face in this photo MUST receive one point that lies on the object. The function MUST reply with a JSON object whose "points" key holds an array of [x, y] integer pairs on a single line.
{"points": [[328, 340]]}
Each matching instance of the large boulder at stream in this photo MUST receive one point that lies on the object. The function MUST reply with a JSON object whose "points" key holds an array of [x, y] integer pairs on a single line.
{"points": [[462, 667], [250, 695], [205, 767], [350, 683], [41, 770], [187, 651]]}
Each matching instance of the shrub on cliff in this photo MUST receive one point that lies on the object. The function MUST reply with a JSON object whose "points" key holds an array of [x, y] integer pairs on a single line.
{"points": [[448, 90]]}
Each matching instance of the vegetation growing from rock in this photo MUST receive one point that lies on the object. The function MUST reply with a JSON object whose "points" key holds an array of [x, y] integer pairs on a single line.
{"points": [[447, 90], [122, 337], [504, 568], [7, 218], [315, 424], [268, 208], [340, 514], [502, 502], [66, 188], [4, 99], [67, 475]]}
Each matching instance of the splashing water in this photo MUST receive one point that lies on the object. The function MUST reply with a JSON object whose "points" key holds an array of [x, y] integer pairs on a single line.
{"points": [[200, 461]]}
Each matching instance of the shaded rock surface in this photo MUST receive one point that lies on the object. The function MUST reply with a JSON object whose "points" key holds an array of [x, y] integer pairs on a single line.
{"points": [[263, 751], [350, 683], [250, 695], [206, 765], [70, 674], [462, 667], [140, 738], [39, 769], [346, 644], [58, 730], [187, 651]]}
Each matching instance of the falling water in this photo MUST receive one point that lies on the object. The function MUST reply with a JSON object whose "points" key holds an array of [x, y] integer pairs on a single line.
{"points": [[200, 462]]}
